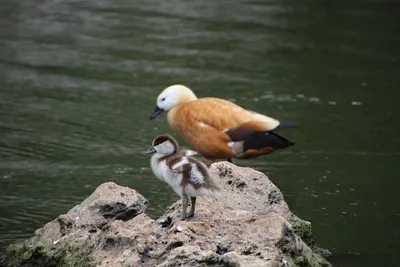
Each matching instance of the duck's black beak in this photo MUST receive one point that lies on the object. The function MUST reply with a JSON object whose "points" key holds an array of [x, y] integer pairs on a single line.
{"points": [[156, 112], [151, 150]]}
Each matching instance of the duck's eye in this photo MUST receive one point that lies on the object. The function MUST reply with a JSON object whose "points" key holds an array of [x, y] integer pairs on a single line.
{"points": [[162, 99]]}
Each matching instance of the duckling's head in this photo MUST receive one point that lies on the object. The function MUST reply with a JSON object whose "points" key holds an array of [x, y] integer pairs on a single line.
{"points": [[172, 96], [164, 144]]}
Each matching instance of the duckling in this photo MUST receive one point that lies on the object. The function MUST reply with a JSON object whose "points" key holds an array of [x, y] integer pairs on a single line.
{"points": [[217, 128], [187, 176]]}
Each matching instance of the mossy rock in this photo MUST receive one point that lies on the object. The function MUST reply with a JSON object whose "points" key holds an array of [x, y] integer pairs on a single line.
{"points": [[25, 255]]}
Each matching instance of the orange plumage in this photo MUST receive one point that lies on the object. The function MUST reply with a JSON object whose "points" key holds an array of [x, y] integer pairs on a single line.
{"points": [[217, 128]]}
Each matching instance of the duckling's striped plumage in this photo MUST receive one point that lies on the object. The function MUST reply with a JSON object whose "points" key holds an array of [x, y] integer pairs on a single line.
{"points": [[187, 176]]}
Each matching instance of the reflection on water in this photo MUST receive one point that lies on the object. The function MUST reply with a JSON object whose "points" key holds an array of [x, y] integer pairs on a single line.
{"points": [[78, 80]]}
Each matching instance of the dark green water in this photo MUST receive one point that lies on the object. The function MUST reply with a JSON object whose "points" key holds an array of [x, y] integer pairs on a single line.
{"points": [[78, 80]]}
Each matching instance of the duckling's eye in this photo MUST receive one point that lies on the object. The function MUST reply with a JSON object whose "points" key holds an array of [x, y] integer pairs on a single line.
{"points": [[162, 99]]}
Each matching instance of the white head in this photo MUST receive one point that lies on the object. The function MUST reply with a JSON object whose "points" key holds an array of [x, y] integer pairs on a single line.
{"points": [[164, 145], [172, 96]]}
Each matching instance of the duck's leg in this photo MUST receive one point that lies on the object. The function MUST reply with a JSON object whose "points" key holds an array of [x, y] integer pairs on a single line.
{"points": [[185, 201], [230, 160], [192, 208]]}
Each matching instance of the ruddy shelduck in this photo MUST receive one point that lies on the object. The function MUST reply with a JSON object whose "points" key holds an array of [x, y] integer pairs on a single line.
{"points": [[217, 128], [187, 176]]}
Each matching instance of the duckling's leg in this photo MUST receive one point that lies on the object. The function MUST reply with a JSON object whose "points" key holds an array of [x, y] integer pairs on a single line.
{"points": [[192, 208], [185, 201]]}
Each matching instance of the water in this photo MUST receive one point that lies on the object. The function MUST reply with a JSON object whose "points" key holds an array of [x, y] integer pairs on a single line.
{"points": [[78, 80]]}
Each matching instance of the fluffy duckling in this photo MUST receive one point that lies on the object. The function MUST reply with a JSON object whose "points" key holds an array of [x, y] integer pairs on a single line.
{"points": [[217, 128], [187, 176]]}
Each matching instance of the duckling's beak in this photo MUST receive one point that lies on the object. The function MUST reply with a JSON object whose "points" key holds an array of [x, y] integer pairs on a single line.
{"points": [[151, 150], [156, 112]]}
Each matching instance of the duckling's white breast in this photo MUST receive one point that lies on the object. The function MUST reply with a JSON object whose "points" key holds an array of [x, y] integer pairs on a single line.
{"points": [[158, 168], [163, 172]]}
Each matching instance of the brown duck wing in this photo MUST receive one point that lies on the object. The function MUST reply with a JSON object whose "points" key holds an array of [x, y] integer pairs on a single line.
{"points": [[204, 124]]}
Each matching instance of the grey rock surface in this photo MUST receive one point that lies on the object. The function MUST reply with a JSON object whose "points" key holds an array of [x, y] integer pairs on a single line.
{"points": [[247, 224]]}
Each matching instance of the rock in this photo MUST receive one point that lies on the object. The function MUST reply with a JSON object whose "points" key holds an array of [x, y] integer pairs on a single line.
{"points": [[247, 224]]}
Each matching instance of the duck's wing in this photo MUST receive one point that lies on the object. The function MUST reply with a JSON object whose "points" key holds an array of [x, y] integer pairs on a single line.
{"points": [[208, 125], [180, 164], [223, 115], [191, 170], [215, 117]]}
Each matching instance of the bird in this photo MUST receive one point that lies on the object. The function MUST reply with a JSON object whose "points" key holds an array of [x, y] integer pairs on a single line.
{"points": [[219, 129], [186, 175]]}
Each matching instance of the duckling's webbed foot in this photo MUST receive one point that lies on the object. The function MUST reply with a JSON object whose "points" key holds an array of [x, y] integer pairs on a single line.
{"points": [[185, 201], [166, 223], [192, 209], [174, 221]]}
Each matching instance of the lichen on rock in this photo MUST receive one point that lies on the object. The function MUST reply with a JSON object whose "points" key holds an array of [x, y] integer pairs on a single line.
{"points": [[247, 224]]}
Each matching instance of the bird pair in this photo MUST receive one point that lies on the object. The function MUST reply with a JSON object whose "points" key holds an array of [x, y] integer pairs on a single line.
{"points": [[216, 129]]}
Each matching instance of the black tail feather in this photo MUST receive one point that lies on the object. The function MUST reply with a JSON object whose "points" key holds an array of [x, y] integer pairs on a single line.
{"points": [[285, 125], [266, 139]]}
